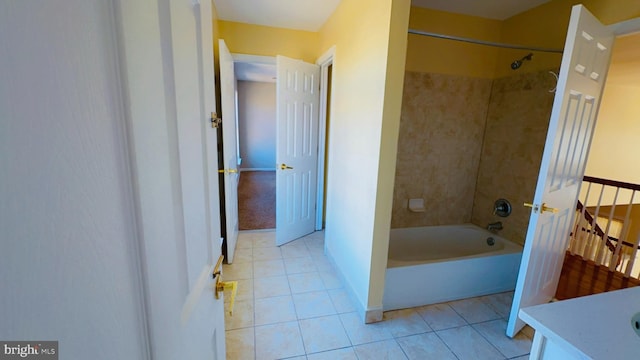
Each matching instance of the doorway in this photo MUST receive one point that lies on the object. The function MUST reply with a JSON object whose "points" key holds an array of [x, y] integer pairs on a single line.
{"points": [[256, 123]]}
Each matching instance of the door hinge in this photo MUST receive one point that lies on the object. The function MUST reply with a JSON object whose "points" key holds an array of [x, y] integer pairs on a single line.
{"points": [[215, 120]]}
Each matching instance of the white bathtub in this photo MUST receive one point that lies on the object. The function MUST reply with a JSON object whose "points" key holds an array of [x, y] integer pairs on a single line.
{"points": [[433, 264]]}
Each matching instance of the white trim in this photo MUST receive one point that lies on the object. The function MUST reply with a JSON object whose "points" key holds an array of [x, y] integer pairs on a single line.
{"points": [[324, 61]]}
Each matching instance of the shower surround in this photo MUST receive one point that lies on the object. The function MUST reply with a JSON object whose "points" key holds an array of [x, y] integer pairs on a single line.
{"points": [[440, 141], [465, 142]]}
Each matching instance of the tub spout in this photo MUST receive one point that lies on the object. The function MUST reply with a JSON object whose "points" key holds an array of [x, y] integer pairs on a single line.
{"points": [[495, 226]]}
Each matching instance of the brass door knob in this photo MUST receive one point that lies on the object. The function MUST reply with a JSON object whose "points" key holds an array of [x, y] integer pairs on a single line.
{"points": [[542, 208]]}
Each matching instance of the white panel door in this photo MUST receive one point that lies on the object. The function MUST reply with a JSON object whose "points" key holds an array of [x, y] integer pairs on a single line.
{"points": [[298, 98], [582, 74], [214, 323], [230, 147], [202, 315]]}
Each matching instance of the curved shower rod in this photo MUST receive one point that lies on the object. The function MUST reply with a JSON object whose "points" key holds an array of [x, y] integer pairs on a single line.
{"points": [[482, 42]]}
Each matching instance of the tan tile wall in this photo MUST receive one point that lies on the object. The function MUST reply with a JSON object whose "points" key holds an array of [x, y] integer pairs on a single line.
{"points": [[441, 130], [516, 130]]}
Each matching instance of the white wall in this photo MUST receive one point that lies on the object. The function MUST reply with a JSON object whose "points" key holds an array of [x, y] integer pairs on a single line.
{"points": [[257, 124], [68, 260]]}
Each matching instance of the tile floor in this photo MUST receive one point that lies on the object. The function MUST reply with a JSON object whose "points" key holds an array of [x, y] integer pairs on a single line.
{"points": [[291, 305]]}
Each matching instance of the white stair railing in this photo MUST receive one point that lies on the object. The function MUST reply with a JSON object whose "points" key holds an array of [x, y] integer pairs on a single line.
{"points": [[603, 231]]}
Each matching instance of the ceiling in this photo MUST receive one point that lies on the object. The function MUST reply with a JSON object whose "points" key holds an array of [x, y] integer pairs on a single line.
{"points": [[307, 15], [490, 9], [310, 15]]}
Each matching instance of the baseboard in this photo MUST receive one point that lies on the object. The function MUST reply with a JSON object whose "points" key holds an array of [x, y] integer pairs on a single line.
{"points": [[368, 315]]}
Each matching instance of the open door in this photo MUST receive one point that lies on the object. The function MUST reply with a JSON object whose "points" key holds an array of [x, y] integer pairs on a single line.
{"points": [[229, 150], [202, 315], [583, 71], [298, 98]]}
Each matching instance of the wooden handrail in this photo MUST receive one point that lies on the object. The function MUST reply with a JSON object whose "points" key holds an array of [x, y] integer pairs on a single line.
{"points": [[615, 183]]}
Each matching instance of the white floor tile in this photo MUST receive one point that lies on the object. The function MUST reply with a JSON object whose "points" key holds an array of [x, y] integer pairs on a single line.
{"points": [[322, 263], [295, 249], [268, 268], [242, 315], [340, 354], [467, 343], [440, 316], [361, 333], [271, 286], [405, 322], [243, 292], [240, 344], [305, 282], [330, 279], [323, 333], [245, 240], [243, 255], [500, 303], [299, 265], [494, 332], [237, 271], [313, 304], [341, 301], [425, 346], [473, 310], [388, 350], [274, 310], [278, 341], [263, 238], [266, 253]]}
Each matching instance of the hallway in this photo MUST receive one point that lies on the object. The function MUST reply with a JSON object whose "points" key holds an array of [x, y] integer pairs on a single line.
{"points": [[291, 304]]}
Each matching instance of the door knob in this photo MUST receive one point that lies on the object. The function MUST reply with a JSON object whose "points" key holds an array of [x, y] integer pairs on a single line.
{"points": [[285, 167], [228, 171], [542, 208], [221, 286]]}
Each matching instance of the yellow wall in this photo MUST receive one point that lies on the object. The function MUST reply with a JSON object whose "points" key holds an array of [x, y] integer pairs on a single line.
{"points": [[616, 141], [269, 41], [367, 86], [426, 54], [546, 26]]}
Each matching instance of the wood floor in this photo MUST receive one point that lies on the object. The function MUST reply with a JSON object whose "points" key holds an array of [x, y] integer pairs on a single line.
{"points": [[257, 200], [582, 277]]}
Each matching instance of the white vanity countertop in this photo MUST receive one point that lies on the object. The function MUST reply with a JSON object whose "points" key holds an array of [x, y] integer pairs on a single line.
{"points": [[596, 326]]}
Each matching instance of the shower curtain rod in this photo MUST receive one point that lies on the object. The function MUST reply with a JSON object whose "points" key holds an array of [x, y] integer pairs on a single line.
{"points": [[482, 42]]}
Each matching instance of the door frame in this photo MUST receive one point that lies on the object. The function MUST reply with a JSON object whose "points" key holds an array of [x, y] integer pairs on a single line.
{"points": [[324, 61]]}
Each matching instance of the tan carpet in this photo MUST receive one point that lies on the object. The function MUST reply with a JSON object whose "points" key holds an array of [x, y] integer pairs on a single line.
{"points": [[257, 200]]}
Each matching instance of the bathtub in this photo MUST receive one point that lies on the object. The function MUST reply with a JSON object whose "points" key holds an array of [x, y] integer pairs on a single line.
{"points": [[433, 264]]}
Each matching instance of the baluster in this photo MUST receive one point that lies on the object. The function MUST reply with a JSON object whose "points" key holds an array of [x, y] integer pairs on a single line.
{"points": [[623, 236], [602, 249], [592, 243], [581, 239]]}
